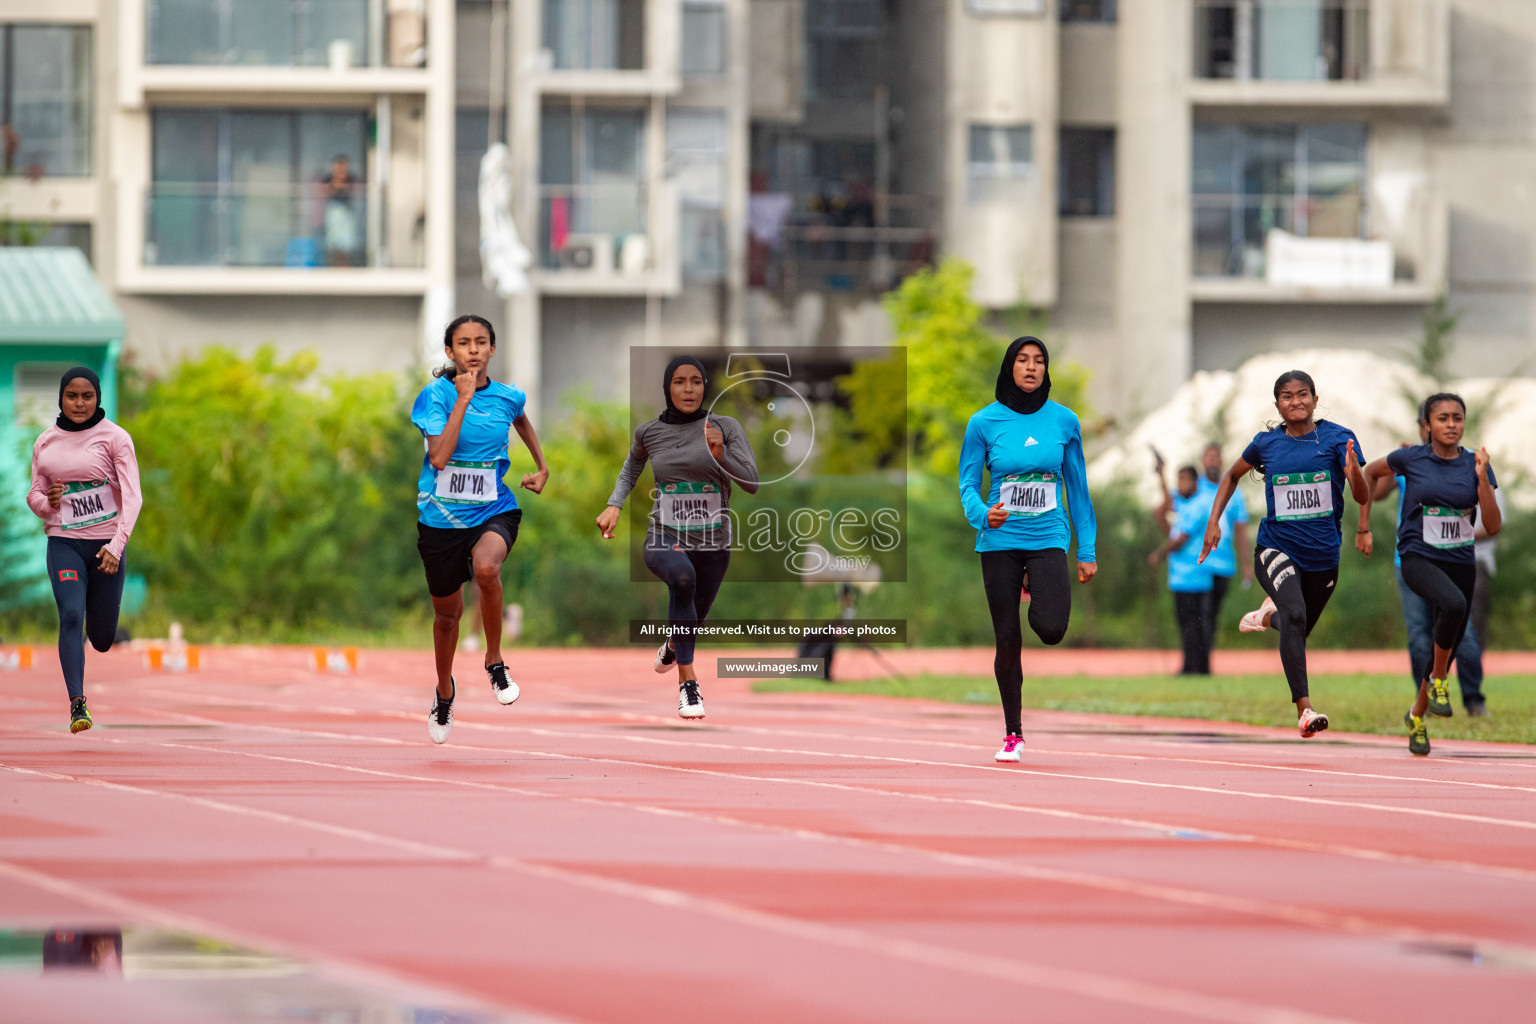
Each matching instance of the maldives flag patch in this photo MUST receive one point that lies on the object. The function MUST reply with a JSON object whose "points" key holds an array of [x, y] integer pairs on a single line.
{"points": [[68, 574]]}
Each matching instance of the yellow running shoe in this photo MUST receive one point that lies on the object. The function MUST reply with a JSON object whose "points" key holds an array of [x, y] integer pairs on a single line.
{"points": [[1440, 699], [1418, 735], [79, 716]]}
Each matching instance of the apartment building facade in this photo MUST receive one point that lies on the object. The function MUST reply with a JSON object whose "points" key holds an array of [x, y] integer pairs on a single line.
{"points": [[1178, 183]]}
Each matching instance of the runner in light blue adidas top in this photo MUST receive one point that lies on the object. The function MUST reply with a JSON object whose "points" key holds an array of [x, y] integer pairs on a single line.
{"points": [[1032, 448], [468, 515]]}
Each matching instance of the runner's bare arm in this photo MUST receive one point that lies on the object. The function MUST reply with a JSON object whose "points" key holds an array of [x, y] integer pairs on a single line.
{"points": [[536, 480], [440, 447], [1359, 489], [1487, 503]]}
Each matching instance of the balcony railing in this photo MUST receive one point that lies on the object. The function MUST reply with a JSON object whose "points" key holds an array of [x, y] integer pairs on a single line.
{"points": [[863, 248], [1401, 43], [210, 225], [1320, 243], [595, 229], [287, 33]]}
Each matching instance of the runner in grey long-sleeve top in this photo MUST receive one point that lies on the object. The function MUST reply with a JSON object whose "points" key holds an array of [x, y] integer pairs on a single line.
{"points": [[688, 540]]}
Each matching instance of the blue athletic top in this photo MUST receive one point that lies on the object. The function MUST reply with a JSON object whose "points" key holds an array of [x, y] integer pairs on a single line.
{"points": [[469, 490], [1303, 491], [1437, 507], [1034, 457], [1185, 573], [1222, 561]]}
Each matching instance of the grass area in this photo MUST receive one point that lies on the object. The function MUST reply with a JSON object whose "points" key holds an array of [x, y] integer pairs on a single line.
{"points": [[1354, 703]]}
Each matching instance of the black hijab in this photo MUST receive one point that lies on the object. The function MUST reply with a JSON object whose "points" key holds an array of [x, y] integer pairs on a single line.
{"points": [[673, 414], [1015, 397], [74, 373]]}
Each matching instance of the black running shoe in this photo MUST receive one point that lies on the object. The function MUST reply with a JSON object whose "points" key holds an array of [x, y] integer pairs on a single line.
{"points": [[79, 717], [689, 703], [501, 684], [1418, 735], [1440, 699], [440, 718]]}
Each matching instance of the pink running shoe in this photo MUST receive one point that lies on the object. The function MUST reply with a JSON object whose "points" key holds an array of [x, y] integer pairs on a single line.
{"points": [[1012, 750], [1311, 723], [1253, 622]]}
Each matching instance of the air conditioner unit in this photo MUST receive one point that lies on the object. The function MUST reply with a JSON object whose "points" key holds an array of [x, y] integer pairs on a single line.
{"points": [[587, 252]]}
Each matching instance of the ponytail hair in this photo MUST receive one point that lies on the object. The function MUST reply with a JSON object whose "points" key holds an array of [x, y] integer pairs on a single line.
{"points": [[452, 370]]}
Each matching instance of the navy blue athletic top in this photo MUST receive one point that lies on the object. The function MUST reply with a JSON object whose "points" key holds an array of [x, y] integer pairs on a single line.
{"points": [[1303, 491], [1439, 503]]}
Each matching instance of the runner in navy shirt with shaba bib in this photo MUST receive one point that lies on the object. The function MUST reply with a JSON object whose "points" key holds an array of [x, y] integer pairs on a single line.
{"points": [[1305, 463], [1445, 490]]}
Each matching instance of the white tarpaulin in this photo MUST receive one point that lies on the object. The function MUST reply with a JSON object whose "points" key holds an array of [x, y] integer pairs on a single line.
{"points": [[504, 259]]}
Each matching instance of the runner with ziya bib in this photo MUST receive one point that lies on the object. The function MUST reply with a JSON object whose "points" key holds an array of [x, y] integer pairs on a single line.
{"points": [[85, 486], [468, 515], [1446, 490], [1305, 463], [696, 456], [1032, 448]]}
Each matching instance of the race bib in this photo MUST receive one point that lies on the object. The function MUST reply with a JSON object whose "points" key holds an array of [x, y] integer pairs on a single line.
{"points": [[466, 483], [86, 504], [1302, 496], [1028, 495], [1448, 528], [691, 506]]}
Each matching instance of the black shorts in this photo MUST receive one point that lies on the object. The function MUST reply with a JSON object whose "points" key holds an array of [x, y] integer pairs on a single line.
{"points": [[447, 553]]}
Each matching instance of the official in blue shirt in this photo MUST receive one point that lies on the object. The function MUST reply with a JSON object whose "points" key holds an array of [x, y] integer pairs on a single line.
{"points": [[468, 515], [1032, 449], [1223, 562], [1305, 462], [1182, 517], [1446, 489]]}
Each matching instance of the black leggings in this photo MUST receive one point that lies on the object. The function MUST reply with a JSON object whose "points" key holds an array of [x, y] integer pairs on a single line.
{"points": [[88, 600], [693, 579], [1300, 595], [1447, 588], [1050, 606]]}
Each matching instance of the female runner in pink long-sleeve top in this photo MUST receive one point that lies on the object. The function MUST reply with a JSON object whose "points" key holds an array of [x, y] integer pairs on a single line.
{"points": [[85, 486]]}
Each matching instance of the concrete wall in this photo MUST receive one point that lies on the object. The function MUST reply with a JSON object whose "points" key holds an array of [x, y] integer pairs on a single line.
{"points": [[351, 334]]}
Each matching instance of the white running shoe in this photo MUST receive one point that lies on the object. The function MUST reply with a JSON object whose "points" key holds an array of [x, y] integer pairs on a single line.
{"points": [[501, 684], [666, 658], [689, 703], [1253, 622], [1012, 750], [1311, 723], [440, 718]]}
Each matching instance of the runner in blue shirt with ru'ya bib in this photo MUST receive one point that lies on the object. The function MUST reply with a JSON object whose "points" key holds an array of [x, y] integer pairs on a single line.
{"points": [[1445, 490], [1033, 450], [469, 516], [1305, 463]]}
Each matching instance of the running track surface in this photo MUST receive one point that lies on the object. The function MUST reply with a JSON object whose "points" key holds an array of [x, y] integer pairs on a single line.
{"points": [[585, 856]]}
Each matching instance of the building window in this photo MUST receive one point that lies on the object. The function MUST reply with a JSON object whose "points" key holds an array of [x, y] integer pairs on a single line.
{"points": [[45, 100], [1006, 7], [594, 35], [842, 42], [1001, 163], [1088, 10], [696, 163], [1308, 180], [1282, 40], [273, 33], [704, 38], [1087, 172], [592, 195], [257, 188]]}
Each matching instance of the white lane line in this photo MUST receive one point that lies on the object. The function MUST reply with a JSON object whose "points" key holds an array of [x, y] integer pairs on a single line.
{"points": [[125, 912], [1159, 828], [949, 744], [1083, 984], [1352, 924]]}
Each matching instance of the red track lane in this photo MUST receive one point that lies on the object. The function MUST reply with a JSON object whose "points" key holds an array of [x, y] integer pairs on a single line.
{"points": [[584, 855]]}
